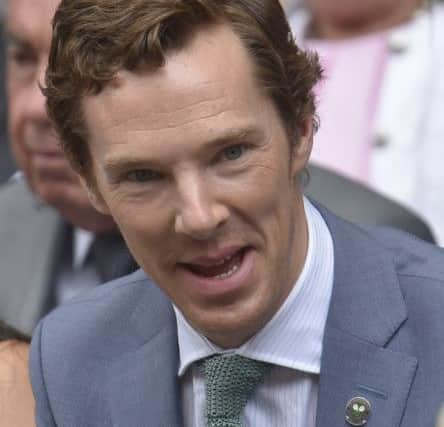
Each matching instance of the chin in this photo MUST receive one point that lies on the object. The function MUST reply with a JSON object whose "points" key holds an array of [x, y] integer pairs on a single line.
{"points": [[230, 326]]}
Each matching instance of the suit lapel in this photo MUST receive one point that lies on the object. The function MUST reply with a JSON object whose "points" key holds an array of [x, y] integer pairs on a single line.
{"points": [[27, 255], [141, 385], [366, 311], [43, 259]]}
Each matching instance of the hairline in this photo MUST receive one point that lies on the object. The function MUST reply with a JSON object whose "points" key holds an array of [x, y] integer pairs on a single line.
{"points": [[81, 159], [207, 25]]}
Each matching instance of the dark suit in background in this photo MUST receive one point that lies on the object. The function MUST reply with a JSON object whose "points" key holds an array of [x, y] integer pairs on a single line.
{"points": [[358, 203], [33, 236]]}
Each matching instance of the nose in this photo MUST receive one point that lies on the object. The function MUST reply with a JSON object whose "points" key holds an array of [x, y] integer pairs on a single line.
{"points": [[199, 215]]}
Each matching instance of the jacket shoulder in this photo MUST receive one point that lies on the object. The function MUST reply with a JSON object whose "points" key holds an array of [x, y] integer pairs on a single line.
{"points": [[114, 315], [17, 201], [412, 256], [82, 345], [29, 232], [15, 191]]}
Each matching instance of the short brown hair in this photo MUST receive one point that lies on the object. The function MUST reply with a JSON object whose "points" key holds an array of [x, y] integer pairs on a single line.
{"points": [[94, 39]]}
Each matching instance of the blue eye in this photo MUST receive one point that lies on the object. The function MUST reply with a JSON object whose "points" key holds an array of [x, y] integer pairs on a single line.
{"points": [[142, 175], [234, 152]]}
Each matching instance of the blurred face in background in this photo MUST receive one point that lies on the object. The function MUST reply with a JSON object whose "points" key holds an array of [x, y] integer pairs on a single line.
{"points": [[34, 143], [359, 16], [33, 140]]}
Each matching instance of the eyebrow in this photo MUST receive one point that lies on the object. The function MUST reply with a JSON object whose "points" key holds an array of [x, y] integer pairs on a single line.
{"points": [[237, 135], [113, 165]]}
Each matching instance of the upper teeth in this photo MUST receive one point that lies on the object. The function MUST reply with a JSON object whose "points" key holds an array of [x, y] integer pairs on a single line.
{"points": [[223, 260]]}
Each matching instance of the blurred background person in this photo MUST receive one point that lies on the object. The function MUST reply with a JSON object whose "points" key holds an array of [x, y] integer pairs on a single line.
{"points": [[381, 100], [6, 163], [53, 244], [16, 400]]}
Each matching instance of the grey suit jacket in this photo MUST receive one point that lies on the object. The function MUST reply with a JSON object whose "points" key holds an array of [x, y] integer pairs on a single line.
{"points": [[111, 358], [29, 242], [31, 237]]}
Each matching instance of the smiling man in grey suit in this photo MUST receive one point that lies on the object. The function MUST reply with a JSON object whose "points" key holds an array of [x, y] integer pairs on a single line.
{"points": [[190, 122], [46, 220]]}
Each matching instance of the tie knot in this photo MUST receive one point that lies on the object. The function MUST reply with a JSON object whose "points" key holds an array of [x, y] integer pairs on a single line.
{"points": [[230, 381]]}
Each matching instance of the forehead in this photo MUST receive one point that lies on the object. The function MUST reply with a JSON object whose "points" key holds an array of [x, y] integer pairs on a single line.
{"points": [[30, 20], [207, 81]]}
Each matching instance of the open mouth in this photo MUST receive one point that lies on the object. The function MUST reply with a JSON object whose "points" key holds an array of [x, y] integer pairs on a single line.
{"points": [[218, 269]]}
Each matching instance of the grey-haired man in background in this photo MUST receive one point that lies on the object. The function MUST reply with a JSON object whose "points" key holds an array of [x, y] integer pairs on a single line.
{"points": [[53, 243]]}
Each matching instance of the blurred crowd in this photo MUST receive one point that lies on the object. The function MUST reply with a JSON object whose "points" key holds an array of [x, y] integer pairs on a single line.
{"points": [[381, 97], [379, 124]]}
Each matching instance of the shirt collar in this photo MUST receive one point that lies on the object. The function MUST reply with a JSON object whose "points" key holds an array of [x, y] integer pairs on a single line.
{"points": [[293, 337], [82, 241]]}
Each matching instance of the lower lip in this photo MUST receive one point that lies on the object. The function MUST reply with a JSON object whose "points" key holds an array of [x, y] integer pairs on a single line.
{"points": [[212, 287]]}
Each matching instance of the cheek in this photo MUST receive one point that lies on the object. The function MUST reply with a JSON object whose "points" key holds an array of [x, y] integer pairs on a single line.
{"points": [[143, 225], [267, 206], [16, 125], [267, 190], [15, 102], [14, 117]]}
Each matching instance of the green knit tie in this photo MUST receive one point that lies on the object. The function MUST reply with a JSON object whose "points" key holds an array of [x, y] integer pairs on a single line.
{"points": [[230, 381]]}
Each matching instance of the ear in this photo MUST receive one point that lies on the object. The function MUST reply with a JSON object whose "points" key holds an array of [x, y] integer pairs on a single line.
{"points": [[94, 195], [301, 149]]}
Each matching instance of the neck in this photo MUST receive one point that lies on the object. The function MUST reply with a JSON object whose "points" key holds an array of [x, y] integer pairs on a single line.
{"points": [[88, 218], [322, 28]]}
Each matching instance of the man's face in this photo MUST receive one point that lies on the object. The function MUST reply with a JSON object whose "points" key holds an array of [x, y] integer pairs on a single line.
{"points": [[194, 163], [33, 139]]}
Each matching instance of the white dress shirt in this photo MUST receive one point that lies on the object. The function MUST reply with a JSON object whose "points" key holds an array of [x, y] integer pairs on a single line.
{"points": [[291, 340]]}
